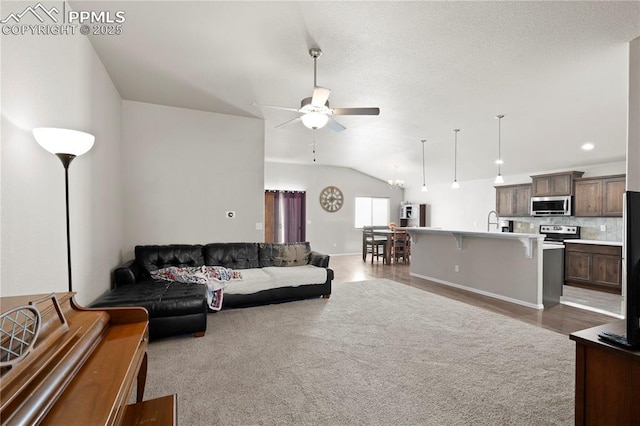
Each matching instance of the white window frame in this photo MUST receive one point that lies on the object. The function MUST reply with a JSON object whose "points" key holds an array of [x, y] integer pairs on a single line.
{"points": [[359, 217]]}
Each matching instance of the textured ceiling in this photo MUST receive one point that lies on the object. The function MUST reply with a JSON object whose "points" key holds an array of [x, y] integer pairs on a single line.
{"points": [[558, 71]]}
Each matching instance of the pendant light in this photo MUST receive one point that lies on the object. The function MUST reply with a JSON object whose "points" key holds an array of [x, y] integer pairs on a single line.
{"points": [[424, 182], [499, 162], [455, 184]]}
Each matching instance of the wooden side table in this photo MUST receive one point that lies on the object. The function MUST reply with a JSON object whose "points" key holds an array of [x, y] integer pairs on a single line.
{"points": [[607, 379]]}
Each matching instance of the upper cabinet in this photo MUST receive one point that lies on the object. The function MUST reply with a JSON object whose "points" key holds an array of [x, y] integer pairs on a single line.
{"points": [[554, 184], [513, 200], [599, 196]]}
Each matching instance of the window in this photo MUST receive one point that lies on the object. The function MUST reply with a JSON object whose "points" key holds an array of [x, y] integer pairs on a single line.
{"points": [[372, 211]]}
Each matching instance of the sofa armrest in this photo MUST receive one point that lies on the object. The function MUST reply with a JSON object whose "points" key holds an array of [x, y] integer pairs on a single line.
{"points": [[128, 273], [317, 259]]}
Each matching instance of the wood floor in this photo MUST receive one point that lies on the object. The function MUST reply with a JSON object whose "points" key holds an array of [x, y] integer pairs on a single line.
{"points": [[560, 318]]}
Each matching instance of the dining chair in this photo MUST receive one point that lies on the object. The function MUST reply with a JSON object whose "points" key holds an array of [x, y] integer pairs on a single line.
{"points": [[401, 247], [376, 245]]}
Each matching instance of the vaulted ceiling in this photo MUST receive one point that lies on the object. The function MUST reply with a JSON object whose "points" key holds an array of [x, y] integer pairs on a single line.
{"points": [[558, 71]]}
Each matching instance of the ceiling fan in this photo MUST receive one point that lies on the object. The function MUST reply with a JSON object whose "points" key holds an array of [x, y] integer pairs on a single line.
{"points": [[315, 111]]}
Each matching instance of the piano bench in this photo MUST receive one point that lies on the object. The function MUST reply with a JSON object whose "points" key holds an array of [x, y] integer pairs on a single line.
{"points": [[174, 308]]}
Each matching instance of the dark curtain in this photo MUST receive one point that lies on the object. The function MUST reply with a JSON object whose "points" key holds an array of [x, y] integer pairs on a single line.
{"points": [[290, 216]]}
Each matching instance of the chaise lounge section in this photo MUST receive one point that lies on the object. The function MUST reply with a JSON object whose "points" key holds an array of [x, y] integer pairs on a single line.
{"points": [[271, 273]]}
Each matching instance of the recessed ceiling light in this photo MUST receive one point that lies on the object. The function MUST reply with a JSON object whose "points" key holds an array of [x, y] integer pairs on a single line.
{"points": [[588, 146]]}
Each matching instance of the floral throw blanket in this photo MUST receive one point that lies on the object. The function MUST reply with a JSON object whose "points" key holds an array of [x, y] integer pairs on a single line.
{"points": [[214, 277]]}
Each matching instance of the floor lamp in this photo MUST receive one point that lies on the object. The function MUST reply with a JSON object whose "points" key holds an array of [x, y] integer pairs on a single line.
{"points": [[66, 145]]}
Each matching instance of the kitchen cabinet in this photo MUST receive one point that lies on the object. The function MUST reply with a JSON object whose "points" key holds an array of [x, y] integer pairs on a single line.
{"points": [[513, 200], [599, 196], [593, 266], [553, 184], [413, 215]]}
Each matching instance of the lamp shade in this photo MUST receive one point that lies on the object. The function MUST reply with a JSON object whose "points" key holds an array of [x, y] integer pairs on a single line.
{"points": [[315, 120], [63, 141]]}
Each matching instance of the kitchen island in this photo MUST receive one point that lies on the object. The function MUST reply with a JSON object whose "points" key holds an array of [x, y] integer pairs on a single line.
{"points": [[507, 266]]}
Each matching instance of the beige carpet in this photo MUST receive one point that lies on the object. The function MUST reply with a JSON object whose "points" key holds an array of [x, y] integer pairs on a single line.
{"points": [[375, 353]]}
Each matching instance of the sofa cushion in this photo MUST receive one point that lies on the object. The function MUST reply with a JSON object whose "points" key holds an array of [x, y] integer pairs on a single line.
{"points": [[284, 254], [161, 298], [296, 275], [156, 257], [231, 255], [253, 280]]}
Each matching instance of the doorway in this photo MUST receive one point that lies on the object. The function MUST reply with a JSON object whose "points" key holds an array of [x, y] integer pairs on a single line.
{"points": [[284, 216]]}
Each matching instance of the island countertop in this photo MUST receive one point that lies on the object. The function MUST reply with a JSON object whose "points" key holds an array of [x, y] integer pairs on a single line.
{"points": [[526, 239], [490, 234]]}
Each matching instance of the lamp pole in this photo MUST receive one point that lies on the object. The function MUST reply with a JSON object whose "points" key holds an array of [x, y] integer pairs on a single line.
{"points": [[66, 161]]}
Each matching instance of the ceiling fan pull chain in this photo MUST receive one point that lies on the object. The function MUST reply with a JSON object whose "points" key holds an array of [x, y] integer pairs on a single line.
{"points": [[314, 146]]}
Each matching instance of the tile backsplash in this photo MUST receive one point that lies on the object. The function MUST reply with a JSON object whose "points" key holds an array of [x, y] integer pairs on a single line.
{"points": [[590, 227]]}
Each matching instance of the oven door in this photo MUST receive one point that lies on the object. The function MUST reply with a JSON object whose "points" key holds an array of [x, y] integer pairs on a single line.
{"points": [[551, 206]]}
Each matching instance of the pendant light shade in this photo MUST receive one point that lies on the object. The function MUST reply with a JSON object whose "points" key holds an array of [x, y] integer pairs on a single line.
{"points": [[455, 184], [499, 162], [424, 182]]}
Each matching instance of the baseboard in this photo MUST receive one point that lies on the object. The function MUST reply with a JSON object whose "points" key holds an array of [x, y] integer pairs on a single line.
{"points": [[482, 292]]}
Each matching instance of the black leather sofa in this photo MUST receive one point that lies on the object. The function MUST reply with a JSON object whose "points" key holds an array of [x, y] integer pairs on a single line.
{"points": [[176, 308]]}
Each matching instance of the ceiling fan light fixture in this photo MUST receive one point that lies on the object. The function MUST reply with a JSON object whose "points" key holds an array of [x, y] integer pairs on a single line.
{"points": [[314, 120]]}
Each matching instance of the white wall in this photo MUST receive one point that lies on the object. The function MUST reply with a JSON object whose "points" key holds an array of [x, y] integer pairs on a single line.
{"points": [[331, 233], [467, 208], [58, 81], [184, 170]]}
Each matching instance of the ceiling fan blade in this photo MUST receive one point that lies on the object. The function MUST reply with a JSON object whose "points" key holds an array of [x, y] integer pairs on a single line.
{"points": [[286, 123], [320, 96], [275, 107], [356, 111], [334, 125]]}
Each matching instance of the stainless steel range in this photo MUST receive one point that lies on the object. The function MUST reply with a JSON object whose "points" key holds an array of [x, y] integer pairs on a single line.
{"points": [[557, 234], [553, 260]]}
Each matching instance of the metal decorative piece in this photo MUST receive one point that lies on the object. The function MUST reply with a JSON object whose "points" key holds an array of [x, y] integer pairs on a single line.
{"points": [[19, 329], [331, 199]]}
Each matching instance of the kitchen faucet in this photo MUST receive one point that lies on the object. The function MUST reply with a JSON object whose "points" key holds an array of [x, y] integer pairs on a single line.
{"points": [[496, 223]]}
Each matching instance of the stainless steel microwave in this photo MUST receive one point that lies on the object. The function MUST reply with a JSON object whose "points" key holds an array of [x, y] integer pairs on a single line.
{"points": [[551, 206]]}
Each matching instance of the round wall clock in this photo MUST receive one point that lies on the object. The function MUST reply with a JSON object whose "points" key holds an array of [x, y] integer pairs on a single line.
{"points": [[331, 199]]}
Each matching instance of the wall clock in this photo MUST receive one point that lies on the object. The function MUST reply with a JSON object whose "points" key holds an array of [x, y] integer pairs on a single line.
{"points": [[331, 199]]}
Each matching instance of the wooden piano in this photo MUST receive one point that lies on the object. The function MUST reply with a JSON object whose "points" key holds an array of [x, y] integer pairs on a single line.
{"points": [[62, 364]]}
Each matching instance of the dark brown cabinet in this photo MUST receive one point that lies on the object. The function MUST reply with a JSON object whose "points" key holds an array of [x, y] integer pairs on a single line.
{"points": [[553, 184], [513, 200], [600, 196], [594, 266]]}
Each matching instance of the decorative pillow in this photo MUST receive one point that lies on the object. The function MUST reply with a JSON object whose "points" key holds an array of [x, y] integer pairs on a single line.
{"points": [[284, 254]]}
